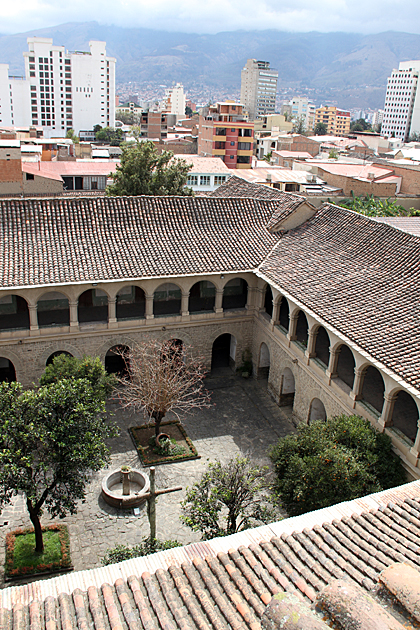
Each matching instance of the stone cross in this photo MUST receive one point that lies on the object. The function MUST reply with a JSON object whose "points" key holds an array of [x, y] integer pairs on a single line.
{"points": [[151, 501]]}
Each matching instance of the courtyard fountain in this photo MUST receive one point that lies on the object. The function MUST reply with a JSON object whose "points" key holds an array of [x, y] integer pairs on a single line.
{"points": [[125, 488]]}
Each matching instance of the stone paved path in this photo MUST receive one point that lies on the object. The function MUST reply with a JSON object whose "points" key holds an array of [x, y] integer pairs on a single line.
{"points": [[242, 420]]}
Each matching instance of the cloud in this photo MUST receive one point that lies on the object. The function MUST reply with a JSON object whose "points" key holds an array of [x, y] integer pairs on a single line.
{"points": [[368, 16]]}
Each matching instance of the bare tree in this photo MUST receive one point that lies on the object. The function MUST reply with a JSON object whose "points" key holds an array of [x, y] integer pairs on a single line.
{"points": [[162, 377]]}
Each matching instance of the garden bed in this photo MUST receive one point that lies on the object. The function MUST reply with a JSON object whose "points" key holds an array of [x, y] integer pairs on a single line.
{"points": [[21, 559], [144, 443]]}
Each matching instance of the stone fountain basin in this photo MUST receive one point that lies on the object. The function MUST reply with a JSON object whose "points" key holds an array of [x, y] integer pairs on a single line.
{"points": [[112, 489]]}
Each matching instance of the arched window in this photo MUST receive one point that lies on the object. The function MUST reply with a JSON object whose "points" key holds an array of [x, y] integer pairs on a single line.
{"points": [[322, 346], [57, 354], [284, 319], [114, 361], [405, 415], [202, 297], [93, 306], [167, 300], [14, 313], [235, 294], [346, 365], [131, 303], [302, 329], [268, 300], [7, 371], [223, 353], [373, 389], [317, 410], [53, 310]]}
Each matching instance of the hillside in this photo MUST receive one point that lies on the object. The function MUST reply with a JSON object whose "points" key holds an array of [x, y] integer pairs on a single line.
{"points": [[345, 67]]}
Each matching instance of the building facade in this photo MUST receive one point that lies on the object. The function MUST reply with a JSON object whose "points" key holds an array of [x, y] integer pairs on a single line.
{"points": [[401, 116], [337, 121], [61, 90], [225, 132], [258, 88], [174, 101], [301, 109]]}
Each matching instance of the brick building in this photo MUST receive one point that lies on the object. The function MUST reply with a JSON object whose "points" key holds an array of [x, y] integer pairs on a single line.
{"points": [[336, 120]]}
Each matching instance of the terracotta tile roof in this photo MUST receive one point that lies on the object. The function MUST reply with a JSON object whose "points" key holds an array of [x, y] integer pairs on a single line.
{"points": [[35, 169], [82, 167], [238, 187], [67, 240], [411, 225], [228, 582], [361, 277]]}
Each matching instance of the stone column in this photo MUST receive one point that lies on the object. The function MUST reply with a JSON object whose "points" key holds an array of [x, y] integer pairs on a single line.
{"points": [[218, 301], [74, 321], [184, 303], [112, 313], [388, 407], [291, 335], [356, 392], [259, 302], [250, 300], [33, 320], [149, 306], [415, 449], [332, 364], [310, 348], [276, 313]]}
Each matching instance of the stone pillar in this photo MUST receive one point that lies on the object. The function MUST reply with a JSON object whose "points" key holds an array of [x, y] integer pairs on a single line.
{"points": [[33, 320], [415, 449], [310, 349], [74, 321], [291, 335], [250, 300], [184, 303], [259, 302], [149, 306], [332, 364], [112, 313], [276, 313], [356, 392], [387, 409], [218, 301]]}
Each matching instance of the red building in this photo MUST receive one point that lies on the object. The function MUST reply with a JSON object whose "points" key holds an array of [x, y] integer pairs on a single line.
{"points": [[224, 132]]}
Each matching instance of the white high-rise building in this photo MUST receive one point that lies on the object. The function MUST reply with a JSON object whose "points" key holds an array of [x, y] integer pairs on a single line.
{"points": [[401, 116], [302, 109], [61, 90], [258, 88], [174, 101]]}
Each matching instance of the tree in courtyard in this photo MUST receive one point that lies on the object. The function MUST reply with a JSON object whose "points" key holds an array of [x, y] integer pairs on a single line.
{"points": [[331, 461], [320, 129], [64, 366], [51, 440], [228, 498], [162, 377], [144, 172]]}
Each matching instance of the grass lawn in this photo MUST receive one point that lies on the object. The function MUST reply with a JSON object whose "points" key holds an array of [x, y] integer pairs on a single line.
{"points": [[21, 558], [142, 438]]}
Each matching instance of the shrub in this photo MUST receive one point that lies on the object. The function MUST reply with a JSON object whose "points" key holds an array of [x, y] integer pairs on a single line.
{"points": [[331, 461], [148, 546], [65, 367]]}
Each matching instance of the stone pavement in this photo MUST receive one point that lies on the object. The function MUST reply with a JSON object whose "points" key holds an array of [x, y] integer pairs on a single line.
{"points": [[242, 420]]}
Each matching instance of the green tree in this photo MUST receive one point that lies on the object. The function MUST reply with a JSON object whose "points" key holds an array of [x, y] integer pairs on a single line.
{"points": [[333, 155], [65, 367], [144, 172], [360, 125], [331, 461], [372, 206], [299, 125], [108, 134], [51, 440], [320, 129], [188, 111], [72, 136], [228, 498]]}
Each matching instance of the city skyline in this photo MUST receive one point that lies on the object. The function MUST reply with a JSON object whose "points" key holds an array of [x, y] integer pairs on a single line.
{"points": [[368, 17]]}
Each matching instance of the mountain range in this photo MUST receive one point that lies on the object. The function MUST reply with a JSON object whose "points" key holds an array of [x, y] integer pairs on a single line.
{"points": [[349, 69]]}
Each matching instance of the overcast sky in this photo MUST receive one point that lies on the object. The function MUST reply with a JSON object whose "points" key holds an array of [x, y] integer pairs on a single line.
{"points": [[213, 16]]}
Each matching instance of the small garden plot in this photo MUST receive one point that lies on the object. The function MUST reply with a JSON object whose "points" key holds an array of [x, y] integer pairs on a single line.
{"points": [[176, 447]]}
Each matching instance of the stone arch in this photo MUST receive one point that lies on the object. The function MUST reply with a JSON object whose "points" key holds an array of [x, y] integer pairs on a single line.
{"points": [[114, 362], [58, 347], [263, 371], [57, 353], [130, 302], [345, 365], [92, 306], [284, 313], [373, 388], [316, 410], [405, 415], [167, 299], [14, 312], [7, 370], [322, 346], [287, 388], [302, 328], [268, 300], [202, 297], [118, 340], [235, 294], [53, 309], [223, 352], [15, 360]]}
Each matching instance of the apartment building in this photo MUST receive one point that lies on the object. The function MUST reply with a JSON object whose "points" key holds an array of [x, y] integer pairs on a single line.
{"points": [[258, 88], [300, 108], [225, 132], [401, 116], [61, 90], [174, 101], [336, 120]]}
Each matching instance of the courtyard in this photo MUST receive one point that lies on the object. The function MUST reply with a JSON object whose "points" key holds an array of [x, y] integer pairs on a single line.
{"points": [[242, 419]]}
